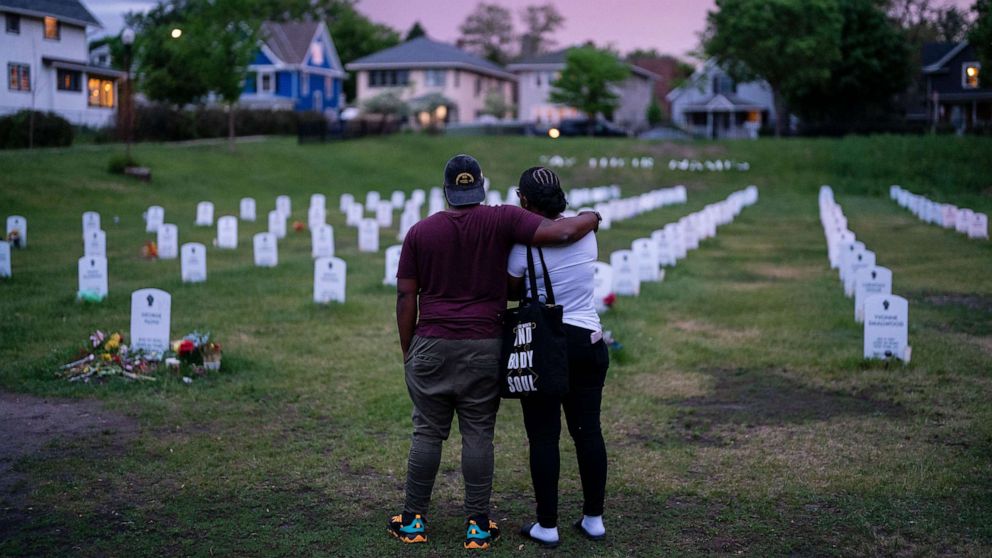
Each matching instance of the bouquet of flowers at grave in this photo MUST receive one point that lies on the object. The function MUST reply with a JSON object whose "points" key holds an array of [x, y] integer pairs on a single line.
{"points": [[105, 355], [14, 238], [609, 299], [299, 226], [198, 350], [149, 250]]}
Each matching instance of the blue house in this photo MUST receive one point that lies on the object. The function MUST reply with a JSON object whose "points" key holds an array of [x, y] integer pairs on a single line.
{"points": [[296, 68]]}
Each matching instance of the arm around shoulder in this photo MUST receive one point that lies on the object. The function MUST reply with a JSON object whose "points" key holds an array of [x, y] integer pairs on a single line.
{"points": [[565, 231]]}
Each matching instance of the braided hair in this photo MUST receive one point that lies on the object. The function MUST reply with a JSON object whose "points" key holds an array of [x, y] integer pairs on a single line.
{"points": [[542, 188]]}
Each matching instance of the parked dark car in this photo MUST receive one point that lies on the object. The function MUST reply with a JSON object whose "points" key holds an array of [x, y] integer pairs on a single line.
{"points": [[580, 127]]}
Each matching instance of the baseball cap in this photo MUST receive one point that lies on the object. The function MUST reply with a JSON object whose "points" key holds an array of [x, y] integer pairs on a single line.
{"points": [[463, 181]]}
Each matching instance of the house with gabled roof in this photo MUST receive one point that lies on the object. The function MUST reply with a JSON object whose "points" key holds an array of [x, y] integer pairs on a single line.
{"points": [[536, 73], [44, 52], [440, 81], [955, 92], [296, 68], [712, 104]]}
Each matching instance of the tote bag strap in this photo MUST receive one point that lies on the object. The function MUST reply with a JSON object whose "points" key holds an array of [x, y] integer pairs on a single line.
{"points": [[532, 271]]}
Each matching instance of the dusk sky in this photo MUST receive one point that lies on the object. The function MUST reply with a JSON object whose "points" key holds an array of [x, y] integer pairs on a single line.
{"points": [[670, 26]]}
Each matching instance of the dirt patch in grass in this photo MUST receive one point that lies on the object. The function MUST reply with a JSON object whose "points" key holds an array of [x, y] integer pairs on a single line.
{"points": [[668, 384], [765, 398], [29, 425], [723, 334], [785, 272], [970, 301]]}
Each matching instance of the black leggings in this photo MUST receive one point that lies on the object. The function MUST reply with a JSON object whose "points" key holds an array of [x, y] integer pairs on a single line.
{"points": [[587, 365]]}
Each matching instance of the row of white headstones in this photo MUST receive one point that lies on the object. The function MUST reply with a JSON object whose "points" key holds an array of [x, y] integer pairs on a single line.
{"points": [[711, 166], [885, 315], [647, 257], [557, 161], [948, 216]]}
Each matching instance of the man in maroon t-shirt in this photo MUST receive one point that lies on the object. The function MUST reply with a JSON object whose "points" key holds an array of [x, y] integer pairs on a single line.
{"points": [[454, 263]]}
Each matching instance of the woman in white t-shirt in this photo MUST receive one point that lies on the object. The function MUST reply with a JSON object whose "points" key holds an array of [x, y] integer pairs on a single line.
{"points": [[571, 271]]}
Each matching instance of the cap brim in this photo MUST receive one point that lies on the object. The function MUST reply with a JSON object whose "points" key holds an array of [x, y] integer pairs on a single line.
{"points": [[462, 196]]}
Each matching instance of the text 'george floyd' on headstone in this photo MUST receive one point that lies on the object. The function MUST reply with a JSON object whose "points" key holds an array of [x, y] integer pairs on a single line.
{"points": [[151, 315]]}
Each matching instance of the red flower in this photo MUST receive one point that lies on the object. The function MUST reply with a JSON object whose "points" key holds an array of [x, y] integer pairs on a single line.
{"points": [[298, 226], [609, 299], [186, 347]]}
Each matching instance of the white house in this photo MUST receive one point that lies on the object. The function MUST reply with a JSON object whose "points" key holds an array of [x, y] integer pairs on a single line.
{"points": [[713, 105], [44, 52], [535, 75]]}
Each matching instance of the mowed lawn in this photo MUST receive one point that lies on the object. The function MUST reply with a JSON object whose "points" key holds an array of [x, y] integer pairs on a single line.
{"points": [[739, 415]]}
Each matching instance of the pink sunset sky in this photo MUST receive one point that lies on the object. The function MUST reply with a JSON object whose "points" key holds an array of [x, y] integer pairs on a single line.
{"points": [[670, 26]]}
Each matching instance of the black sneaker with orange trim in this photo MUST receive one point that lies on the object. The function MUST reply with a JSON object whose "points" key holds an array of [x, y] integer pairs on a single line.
{"points": [[409, 528], [481, 533]]}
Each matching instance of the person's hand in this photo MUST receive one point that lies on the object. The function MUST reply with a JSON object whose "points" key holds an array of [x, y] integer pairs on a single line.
{"points": [[599, 218]]}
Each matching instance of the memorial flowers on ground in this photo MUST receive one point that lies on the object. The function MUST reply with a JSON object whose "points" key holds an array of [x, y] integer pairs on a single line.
{"points": [[107, 355], [196, 350]]}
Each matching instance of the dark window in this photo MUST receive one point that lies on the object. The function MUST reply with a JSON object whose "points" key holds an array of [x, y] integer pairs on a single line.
{"points": [[18, 77], [478, 86], [388, 78], [69, 80], [53, 28], [458, 78], [723, 85], [13, 24]]}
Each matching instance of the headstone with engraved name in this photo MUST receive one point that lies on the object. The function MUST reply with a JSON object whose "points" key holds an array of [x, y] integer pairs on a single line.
{"points": [[322, 242], [154, 217], [663, 244], [626, 280], [345, 202], [871, 281], [860, 261], [602, 285], [95, 243], [194, 262], [266, 249], [316, 216], [372, 200], [384, 214], [18, 224], [205, 214], [277, 223], [392, 264], [368, 236], [418, 196], [284, 205], [397, 199], [92, 277], [5, 267], [329, 280], [355, 214], [91, 222], [645, 253], [151, 315], [318, 200], [887, 327], [168, 241], [246, 209], [979, 227], [227, 232]]}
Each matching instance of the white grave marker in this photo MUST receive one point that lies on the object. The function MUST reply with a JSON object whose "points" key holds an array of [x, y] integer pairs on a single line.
{"points": [[19, 224], [345, 202], [318, 200], [397, 199], [435, 205], [194, 262], [407, 220], [392, 264], [227, 232], [93, 276], [91, 222], [384, 214], [151, 314], [316, 216], [329, 280], [168, 241], [860, 261], [284, 206], [870, 281], [266, 249], [247, 209], [205, 214], [602, 285], [355, 215], [368, 236], [95, 243], [626, 280], [979, 227], [887, 327], [277, 223], [372, 199], [5, 259], [322, 242], [645, 252], [154, 217]]}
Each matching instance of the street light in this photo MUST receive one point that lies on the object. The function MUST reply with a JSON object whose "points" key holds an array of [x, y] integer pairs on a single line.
{"points": [[176, 33], [127, 37]]}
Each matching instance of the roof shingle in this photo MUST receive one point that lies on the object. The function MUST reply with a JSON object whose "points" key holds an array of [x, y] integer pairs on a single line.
{"points": [[72, 11], [425, 51]]}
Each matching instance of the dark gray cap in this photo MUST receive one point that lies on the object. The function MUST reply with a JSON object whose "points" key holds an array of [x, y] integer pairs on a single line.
{"points": [[463, 181]]}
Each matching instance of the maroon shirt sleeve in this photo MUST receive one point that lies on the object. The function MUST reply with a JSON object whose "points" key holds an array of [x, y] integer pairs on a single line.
{"points": [[407, 268], [519, 223]]}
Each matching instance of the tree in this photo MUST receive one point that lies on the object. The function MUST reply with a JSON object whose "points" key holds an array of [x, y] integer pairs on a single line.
{"points": [[488, 31], [874, 65], [356, 36], [416, 31], [539, 23], [791, 44], [923, 22], [585, 82], [655, 113], [981, 38], [496, 104]]}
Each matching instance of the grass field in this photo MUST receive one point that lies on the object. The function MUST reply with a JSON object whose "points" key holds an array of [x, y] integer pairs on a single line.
{"points": [[739, 415]]}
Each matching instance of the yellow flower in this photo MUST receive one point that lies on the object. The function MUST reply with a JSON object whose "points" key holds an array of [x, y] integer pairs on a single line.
{"points": [[114, 342], [106, 356]]}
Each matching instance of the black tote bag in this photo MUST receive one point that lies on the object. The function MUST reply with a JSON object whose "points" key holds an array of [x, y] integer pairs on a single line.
{"points": [[535, 354]]}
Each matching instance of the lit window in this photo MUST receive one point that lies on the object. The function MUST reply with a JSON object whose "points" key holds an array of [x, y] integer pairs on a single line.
{"points": [[101, 92], [14, 24], [971, 74], [434, 78], [69, 80], [316, 54], [52, 28], [19, 77]]}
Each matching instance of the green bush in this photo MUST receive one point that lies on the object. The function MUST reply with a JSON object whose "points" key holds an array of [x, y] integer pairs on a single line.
{"points": [[655, 113], [118, 163], [158, 122], [50, 130]]}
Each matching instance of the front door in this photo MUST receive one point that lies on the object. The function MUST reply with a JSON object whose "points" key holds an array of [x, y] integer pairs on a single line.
{"points": [[318, 101]]}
